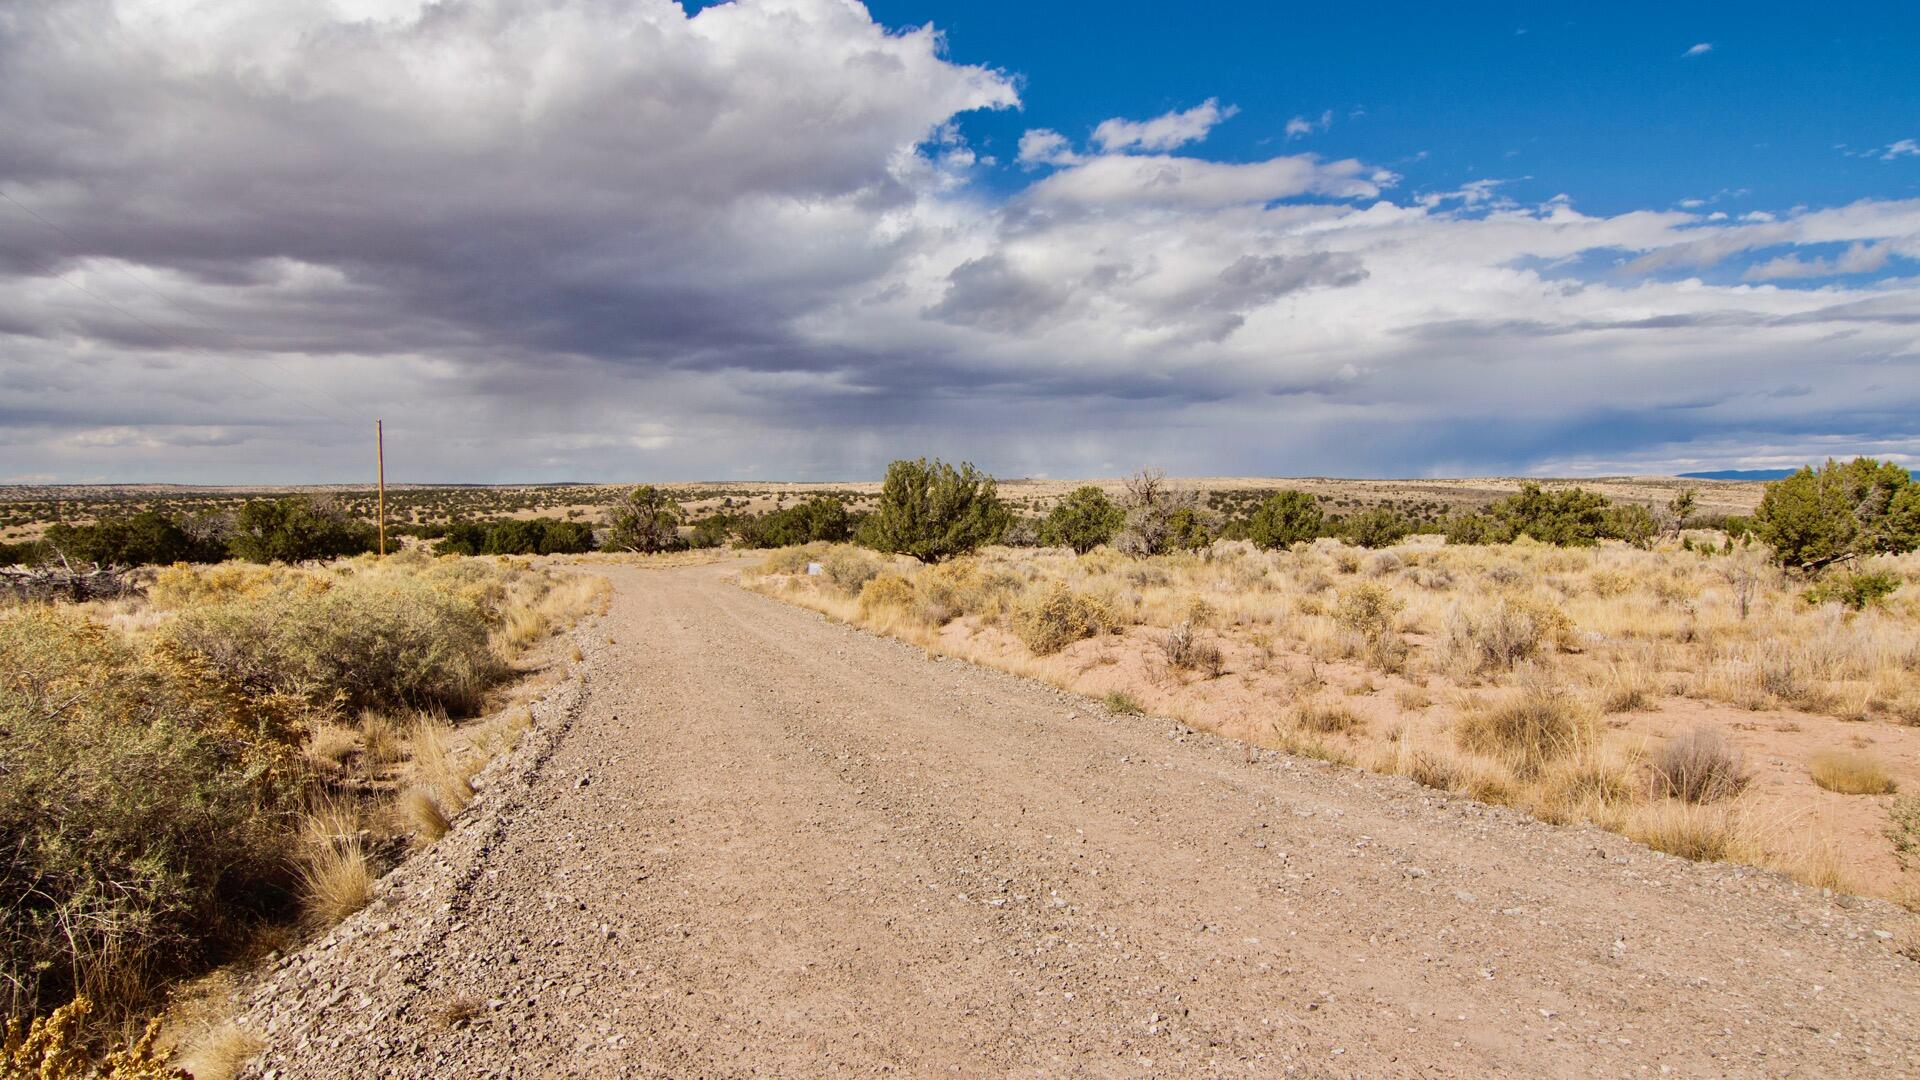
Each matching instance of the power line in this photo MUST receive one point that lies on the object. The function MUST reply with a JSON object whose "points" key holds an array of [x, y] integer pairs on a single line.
{"points": [[169, 335]]}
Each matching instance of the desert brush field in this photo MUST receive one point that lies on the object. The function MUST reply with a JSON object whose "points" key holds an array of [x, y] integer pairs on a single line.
{"points": [[1690, 698]]}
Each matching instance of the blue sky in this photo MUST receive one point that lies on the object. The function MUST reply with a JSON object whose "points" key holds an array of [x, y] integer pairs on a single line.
{"points": [[611, 239], [1603, 104]]}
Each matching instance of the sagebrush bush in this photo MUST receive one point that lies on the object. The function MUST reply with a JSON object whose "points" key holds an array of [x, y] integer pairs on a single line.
{"points": [[1515, 628], [849, 569], [1054, 617], [886, 590], [356, 642], [141, 811]]}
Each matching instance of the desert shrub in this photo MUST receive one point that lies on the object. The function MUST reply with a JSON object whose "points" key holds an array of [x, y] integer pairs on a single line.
{"points": [[1530, 729], [1367, 609], [1570, 517], [296, 530], [1184, 650], [145, 538], [139, 811], [1850, 772], [1083, 520], [362, 641], [849, 569], [1699, 767], [816, 520], [1515, 628], [886, 590], [1055, 616], [1816, 518], [646, 520], [789, 560], [1631, 523], [1160, 518], [1858, 590], [1285, 518], [1375, 528], [934, 511], [1122, 703], [511, 536], [1477, 527], [57, 1047]]}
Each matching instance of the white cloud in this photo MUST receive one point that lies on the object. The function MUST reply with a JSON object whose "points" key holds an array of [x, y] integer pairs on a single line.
{"points": [[1701, 49], [1164, 132], [1300, 126], [1903, 148], [1041, 146]]}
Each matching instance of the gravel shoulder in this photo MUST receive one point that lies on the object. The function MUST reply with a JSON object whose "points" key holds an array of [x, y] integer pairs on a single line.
{"points": [[746, 841]]}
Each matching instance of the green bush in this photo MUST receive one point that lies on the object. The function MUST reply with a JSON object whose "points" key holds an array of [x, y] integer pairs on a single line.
{"points": [[145, 538], [817, 520], [645, 520], [1571, 517], [367, 641], [934, 511], [1083, 520], [140, 813], [1375, 528], [1856, 590], [1285, 518], [295, 530], [1814, 519], [511, 536]]}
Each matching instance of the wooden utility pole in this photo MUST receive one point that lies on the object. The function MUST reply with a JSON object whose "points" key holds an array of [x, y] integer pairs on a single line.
{"points": [[380, 458]]}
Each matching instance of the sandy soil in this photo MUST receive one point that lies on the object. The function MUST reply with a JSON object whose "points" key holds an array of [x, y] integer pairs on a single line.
{"points": [[746, 841]]}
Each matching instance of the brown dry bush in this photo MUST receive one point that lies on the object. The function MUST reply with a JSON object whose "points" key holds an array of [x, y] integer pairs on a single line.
{"points": [[1699, 767], [1184, 650]]}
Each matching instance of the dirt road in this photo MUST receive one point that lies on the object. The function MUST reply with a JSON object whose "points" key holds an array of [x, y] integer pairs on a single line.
{"points": [[755, 843]]}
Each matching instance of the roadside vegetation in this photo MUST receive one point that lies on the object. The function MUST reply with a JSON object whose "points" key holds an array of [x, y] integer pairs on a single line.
{"points": [[196, 771], [1553, 651]]}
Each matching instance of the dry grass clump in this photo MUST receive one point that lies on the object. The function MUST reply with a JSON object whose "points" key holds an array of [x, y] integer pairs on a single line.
{"points": [[219, 1052], [336, 878], [1324, 719], [1054, 616], [1699, 767], [1529, 729], [1851, 772], [1122, 703], [1689, 830]]}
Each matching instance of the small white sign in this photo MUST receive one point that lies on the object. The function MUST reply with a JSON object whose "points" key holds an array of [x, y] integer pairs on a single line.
{"points": [[813, 569]]}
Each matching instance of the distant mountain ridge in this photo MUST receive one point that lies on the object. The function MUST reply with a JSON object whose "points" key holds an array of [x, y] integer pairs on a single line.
{"points": [[1751, 474]]}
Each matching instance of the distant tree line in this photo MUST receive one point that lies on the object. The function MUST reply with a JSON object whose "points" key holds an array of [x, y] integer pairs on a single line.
{"points": [[931, 510]]}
